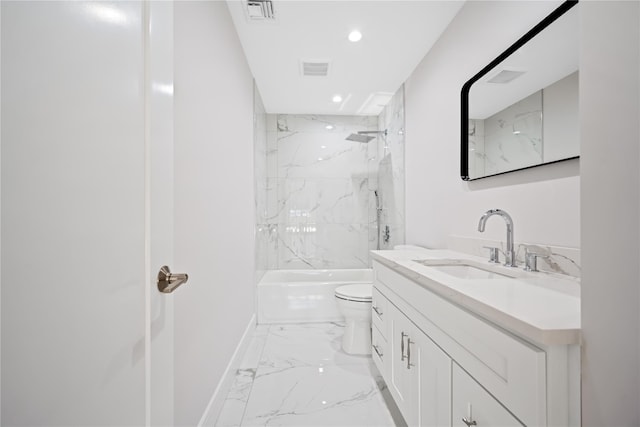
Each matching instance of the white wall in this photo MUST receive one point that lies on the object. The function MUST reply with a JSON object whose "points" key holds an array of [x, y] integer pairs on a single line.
{"points": [[214, 200], [610, 112], [544, 202], [561, 118], [548, 203]]}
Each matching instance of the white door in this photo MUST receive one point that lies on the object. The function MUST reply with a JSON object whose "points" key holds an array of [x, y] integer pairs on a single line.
{"points": [[86, 338], [160, 207]]}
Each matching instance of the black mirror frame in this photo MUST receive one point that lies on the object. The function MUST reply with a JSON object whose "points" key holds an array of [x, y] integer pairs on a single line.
{"points": [[464, 104]]}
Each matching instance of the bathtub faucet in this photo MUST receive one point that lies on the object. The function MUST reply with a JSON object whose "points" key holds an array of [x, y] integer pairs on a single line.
{"points": [[510, 256]]}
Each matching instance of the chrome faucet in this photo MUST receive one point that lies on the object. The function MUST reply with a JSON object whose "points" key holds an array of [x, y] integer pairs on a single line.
{"points": [[510, 255]]}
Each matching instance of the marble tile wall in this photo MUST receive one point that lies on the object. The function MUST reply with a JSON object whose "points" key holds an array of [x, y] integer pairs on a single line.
{"points": [[315, 190], [510, 139], [390, 175], [318, 192], [261, 184]]}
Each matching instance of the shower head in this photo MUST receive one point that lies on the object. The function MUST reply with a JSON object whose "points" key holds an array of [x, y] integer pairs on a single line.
{"points": [[357, 137], [363, 135]]}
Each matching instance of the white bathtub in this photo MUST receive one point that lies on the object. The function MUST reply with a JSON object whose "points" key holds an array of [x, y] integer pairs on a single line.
{"points": [[296, 296]]}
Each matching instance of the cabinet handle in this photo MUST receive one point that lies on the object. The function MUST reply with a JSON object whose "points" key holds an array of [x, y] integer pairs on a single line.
{"points": [[402, 335], [377, 350], [469, 423], [409, 342], [377, 310]]}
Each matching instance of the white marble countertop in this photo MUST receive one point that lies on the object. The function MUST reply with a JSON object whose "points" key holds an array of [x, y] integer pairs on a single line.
{"points": [[540, 307]]}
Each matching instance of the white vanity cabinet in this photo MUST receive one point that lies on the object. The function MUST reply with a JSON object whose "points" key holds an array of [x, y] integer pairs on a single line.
{"points": [[443, 363], [417, 371]]}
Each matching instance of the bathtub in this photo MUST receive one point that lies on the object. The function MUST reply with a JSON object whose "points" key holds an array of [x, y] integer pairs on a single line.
{"points": [[297, 296]]}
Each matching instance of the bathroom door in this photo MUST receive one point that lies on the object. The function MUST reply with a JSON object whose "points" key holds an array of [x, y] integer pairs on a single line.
{"points": [[85, 337]]}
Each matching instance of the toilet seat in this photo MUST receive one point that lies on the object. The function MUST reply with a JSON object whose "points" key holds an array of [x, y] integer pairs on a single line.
{"points": [[356, 293]]}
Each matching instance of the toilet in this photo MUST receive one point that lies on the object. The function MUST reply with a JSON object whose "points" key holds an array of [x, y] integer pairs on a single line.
{"points": [[354, 303]]}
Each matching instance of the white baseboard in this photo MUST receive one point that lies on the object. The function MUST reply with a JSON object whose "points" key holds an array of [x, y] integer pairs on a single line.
{"points": [[219, 395]]}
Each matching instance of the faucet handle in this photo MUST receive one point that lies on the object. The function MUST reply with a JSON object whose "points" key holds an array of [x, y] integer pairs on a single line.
{"points": [[531, 258], [494, 254]]}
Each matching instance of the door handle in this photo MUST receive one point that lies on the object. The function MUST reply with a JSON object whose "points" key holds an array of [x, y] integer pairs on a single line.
{"points": [[168, 281]]}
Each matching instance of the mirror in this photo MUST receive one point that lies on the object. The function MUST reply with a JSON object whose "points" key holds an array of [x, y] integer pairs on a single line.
{"points": [[521, 110]]}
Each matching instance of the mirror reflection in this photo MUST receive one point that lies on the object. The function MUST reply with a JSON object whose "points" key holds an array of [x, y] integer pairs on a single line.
{"points": [[522, 110]]}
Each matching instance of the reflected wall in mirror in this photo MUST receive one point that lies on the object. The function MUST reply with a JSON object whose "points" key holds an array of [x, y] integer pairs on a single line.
{"points": [[521, 110]]}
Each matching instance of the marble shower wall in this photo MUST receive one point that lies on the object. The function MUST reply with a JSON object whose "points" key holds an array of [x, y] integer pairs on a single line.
{"points": [[260, 183], [315, 191], [389, 174], [318, 192]]}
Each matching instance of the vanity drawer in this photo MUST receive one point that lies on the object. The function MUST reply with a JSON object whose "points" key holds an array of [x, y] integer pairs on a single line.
{"points": [[511, 369], [379, 351], [379, 312], [472, 404]]}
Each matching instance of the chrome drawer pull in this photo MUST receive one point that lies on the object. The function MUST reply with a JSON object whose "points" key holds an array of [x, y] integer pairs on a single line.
{"points": [[409, 342], [378, 352], [402, 335], [469, 423]]}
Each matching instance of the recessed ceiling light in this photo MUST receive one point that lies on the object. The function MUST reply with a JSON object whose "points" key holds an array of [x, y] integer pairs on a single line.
{"points": [[328, 127], [337, 98], [355, 36]]}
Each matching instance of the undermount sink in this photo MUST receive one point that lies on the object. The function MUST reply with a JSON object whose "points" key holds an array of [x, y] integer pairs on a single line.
{"points": [[466, 269]]}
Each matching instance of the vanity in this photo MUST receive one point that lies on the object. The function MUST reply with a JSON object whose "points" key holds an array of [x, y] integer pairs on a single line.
{"points": [[461, 342]]}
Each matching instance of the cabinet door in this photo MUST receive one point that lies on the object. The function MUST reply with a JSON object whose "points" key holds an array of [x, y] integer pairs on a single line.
{"points": [[402, 388], [474, 404], [420, 374], [434, 366]]}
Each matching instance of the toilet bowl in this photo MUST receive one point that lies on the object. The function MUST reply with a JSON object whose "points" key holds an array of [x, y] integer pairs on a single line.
{"points": [[354, 303]]}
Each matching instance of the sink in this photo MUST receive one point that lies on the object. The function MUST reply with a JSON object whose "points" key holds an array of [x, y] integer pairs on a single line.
{"points": [[464, 269], [469, 272]]}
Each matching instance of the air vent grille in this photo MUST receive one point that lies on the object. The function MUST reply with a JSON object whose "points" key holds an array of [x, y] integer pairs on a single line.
{"points": [[505, 76], [315, 68], [260, 10]]}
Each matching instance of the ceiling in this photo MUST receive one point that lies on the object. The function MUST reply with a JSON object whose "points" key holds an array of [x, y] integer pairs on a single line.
{"points": [[396, 35]]}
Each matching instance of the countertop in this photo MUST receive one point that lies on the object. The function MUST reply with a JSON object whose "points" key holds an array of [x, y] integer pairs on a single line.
{"points": [[540, 307]]}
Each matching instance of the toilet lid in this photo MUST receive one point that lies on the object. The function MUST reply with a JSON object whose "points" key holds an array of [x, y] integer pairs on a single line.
{"points": [[360, 293]]}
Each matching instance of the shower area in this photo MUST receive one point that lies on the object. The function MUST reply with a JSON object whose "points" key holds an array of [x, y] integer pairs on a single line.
{"points": [[328, 190]]}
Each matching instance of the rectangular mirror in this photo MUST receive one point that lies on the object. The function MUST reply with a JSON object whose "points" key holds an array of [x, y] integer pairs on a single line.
{"points": [[521, 110]]}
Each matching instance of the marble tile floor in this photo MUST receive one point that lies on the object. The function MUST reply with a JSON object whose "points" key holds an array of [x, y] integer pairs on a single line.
{"points": [[297, 375]]}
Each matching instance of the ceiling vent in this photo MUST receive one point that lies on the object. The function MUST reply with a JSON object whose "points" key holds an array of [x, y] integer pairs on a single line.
{"points": [[505, 76], [260, 10], [317, 68]]}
